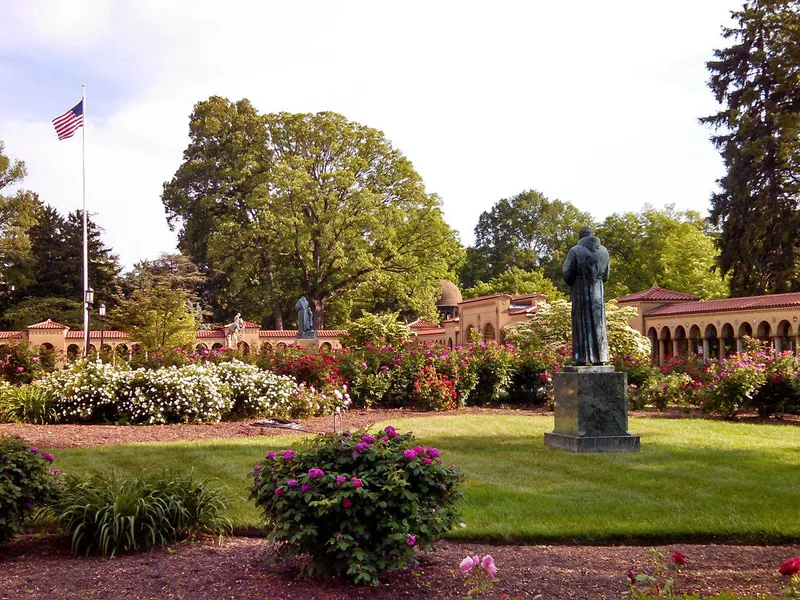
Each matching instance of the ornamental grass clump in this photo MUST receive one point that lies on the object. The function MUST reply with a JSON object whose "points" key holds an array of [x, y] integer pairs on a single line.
{"points": [[109, 515], [27, 403], [27, 482], [356, 505]]}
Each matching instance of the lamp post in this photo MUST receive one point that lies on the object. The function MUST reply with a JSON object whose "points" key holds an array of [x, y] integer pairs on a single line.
{"points": [[88, 299], [102, 310]]}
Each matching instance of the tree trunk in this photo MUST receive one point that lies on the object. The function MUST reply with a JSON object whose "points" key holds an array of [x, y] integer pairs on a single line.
{"points": [[318, 308], [278, 316]]}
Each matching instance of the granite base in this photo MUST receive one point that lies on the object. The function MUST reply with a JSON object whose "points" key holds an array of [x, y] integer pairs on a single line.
{"points": [[576, 443]]}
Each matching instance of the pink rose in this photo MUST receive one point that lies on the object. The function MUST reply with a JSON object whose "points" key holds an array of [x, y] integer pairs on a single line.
{"points": [[466, 565]]}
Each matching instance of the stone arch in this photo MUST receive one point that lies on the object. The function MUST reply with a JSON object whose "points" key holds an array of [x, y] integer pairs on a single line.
{"points": [[450, 343], [216, 346], [281, 346], [784, 340], [73, 351], [728, 339], [243, 347], [681, 340], [488, 333], [652, 335], [201, 348], [764, 333], [710, 342], [468, 334], [326, 346], [695, 338], [745, 329], [266, 347], [665, 343]]}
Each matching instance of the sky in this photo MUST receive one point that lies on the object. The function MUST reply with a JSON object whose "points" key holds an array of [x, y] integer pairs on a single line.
{"points": [[595, 103]]}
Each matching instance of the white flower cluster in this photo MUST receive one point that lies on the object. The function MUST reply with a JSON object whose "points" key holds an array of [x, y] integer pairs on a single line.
{"points": [[195, 393]]}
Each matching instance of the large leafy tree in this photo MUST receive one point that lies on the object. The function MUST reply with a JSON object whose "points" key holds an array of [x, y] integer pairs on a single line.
{"points": [[274, 206], [757, 132], [157, 317], [527, 231], [17, 214], [671, 248], [516, 281]]}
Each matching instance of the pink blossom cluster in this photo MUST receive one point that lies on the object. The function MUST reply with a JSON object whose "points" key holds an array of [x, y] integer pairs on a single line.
{"points": [[486, 563]]}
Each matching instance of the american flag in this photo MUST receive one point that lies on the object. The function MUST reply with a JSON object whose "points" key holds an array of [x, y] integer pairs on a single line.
{"points": [[67, 124]]}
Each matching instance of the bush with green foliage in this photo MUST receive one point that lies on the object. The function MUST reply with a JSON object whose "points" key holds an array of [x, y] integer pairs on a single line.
{"points": [[27, 403], [532, 378], [110, 515], [27, 481], [256, 392], [386, 328], [21, 363], [356, 505], [433, 391], [736, 383], [674, 389], [493, 364]]}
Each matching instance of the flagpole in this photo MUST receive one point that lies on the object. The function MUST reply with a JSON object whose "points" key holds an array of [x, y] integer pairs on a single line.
{"points": [[85, 236]]}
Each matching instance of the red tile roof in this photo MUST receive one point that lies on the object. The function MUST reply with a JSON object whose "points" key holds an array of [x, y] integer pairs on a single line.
{"points": [[110, 334], [729, 305], [49, 324], [453, 320], [12, 335], [210, 333], [425, 332], [251, 325], [526, 310], [420, 324], [517, 299], [657, 294], [489, 297]]}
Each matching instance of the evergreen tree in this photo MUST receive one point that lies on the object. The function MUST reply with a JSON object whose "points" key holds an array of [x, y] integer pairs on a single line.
{"points": [[757, 132], [104, 266]]}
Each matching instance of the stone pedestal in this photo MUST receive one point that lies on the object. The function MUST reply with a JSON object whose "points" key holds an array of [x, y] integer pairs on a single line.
{"points": [[307, 342], [591, 411]]}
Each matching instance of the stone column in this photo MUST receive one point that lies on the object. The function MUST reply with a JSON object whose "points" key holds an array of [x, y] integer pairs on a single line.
{"points": [[721, 348], [676, 348], [662, 351], [706, 350], [778, 342], [739, 345]]}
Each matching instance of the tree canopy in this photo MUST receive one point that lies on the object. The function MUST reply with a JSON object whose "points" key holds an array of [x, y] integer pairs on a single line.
{"points": [[757, 132], [278, 205], [527, 231], [157, 317], [671, 248], [516, 281]]}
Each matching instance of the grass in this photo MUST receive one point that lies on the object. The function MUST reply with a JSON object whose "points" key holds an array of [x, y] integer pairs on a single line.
{"points": [[694, 480]]}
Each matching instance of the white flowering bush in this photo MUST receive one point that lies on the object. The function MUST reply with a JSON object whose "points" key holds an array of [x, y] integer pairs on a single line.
{"points": [[193, 393], [87, 391], [190, 394], [256, 392]]}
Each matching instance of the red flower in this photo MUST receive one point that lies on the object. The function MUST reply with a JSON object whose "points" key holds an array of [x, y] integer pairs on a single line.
{"points": [[679, 558], [791, 567]]}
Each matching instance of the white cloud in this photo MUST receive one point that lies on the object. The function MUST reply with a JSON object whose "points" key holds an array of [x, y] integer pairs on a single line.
{"points": [[595, 103]]}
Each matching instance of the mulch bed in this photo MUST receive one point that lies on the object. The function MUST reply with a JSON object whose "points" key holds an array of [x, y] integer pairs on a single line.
{"points": [[40, 566]]}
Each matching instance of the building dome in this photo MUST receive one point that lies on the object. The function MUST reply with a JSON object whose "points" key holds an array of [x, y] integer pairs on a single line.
{"points": [[451, 295]]}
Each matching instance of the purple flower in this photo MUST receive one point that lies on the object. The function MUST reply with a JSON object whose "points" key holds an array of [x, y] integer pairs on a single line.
{"points": [[56, 471], [433, 453], [256, 469], [357, 482], [419, 449], [30, 506], [291, 483], [427, 460], [340, 479], [34, 450], [316, 473], [384, 439], [410, 454], [270, 454], [361, 447], [367, 439], [411, 540], [346, 434], [48, 457], [347, 503], [384, 368], [289, 454], [306, 487], [391, 431], [279, 491]]}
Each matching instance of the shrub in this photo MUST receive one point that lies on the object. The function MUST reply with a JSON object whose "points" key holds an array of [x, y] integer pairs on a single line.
{"points": [[356, 505], [110, 515], [256, 392], [778, 394], [86, 391], [735, 384], [29, 403], [26, 480], [532, 378], [20, 363], [493, 365], [433, 391], [675, 389], [640, 370], [376, 330]]}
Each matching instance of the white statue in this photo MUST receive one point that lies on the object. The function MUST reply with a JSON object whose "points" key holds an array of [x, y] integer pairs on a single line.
{"points": [[232, 331]]}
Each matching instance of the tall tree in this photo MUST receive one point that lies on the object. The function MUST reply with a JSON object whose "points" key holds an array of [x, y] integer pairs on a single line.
{"points": [[302, 203], [516, 281], [17, 215], [527, 231], [671, 248], [157, 317], [757, 132]]}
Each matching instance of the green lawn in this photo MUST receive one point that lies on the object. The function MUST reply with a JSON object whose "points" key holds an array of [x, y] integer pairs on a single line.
{"points": [[693, 480]]}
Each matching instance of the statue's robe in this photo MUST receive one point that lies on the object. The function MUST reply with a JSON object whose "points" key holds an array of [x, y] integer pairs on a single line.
{"points": [[585, 270]]}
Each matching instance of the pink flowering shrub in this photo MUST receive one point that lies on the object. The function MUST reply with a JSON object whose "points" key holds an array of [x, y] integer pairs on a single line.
{"points": [[736, 383], [479, 575], [27, 481], [433, 391], [356, 505], [22, 363]]}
